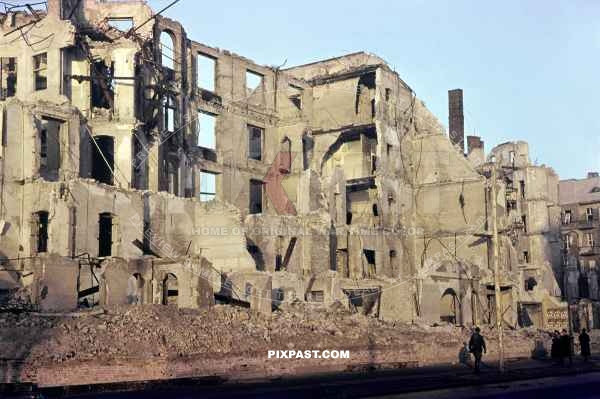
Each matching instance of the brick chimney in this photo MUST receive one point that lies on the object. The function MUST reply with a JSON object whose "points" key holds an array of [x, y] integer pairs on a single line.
{"points": [[456, 118], [474, 142]]}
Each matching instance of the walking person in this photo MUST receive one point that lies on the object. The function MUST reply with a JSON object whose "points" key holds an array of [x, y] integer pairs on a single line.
{"points": [[477, 348], [584, 343], [554, 351]]}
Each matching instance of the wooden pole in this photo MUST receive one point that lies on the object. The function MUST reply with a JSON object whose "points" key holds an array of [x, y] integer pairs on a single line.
{"points": [[497, 291]]}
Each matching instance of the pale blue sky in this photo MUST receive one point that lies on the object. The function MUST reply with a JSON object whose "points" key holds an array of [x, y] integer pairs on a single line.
{"points": [[530, 70]]}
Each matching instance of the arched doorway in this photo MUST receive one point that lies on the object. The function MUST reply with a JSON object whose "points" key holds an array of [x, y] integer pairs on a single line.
{"points": [[170, 290], [449, 307]]}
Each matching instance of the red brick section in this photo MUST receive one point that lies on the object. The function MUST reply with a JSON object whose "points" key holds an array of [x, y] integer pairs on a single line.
{"points": [[250, 366]]}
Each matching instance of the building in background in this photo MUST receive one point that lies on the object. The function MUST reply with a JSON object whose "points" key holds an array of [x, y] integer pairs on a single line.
{"points": [[580, 246]]}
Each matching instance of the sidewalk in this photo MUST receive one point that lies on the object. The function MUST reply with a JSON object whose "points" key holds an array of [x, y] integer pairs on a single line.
{"points": [[370, 380]]}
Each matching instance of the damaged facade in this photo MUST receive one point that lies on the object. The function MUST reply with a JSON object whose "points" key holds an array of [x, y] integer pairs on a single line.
{"points": [[140, 166]]}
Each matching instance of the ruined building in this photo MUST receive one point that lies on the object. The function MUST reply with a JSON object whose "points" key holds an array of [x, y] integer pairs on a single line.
{"points": [[529, 210], [140, 166], [580, 246]]}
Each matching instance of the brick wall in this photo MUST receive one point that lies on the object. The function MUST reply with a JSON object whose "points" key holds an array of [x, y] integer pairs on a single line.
{"points": [[253, 365]]}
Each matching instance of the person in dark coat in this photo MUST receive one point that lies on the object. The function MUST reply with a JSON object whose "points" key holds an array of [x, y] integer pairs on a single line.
{"points": [[565, 347], [554, 351], [584, 343], [477, 347]]}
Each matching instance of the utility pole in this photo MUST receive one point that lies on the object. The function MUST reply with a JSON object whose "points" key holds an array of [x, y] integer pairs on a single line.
{"points": [[497, 291]]}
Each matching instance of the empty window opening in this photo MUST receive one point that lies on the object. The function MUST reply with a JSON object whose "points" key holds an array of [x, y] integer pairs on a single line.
{"points": [[167, 50], [522, 186], [589, 213], [449, 307], [169, 108], [370, 258], [140, 163], [511, 157], [41, 218], [88, 284], [348, 217], [50, 148], [255, 138], [205, 71], [365, 95], [388, 149], [208, 186], [388, 94], [123, 24], [103, 149], [584, 288], [296, 100], [567, 240], [375, 210], [530, 284], [105, 229], [256, 196], [524, 221], [567, 217], [8, 77], [170, 290], [525, 256], [206, 130], [589, 239], [103, 92], [254, 80], [40, 71]]}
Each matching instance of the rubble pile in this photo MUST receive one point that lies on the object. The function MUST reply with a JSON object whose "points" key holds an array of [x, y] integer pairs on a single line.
{"points": [[160, 331]]}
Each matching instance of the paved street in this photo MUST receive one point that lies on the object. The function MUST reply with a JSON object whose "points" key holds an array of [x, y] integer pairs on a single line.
{"points": [[522, 379]]}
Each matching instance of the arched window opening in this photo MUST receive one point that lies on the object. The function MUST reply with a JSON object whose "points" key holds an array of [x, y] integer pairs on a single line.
{"points": [[167, 50]]}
